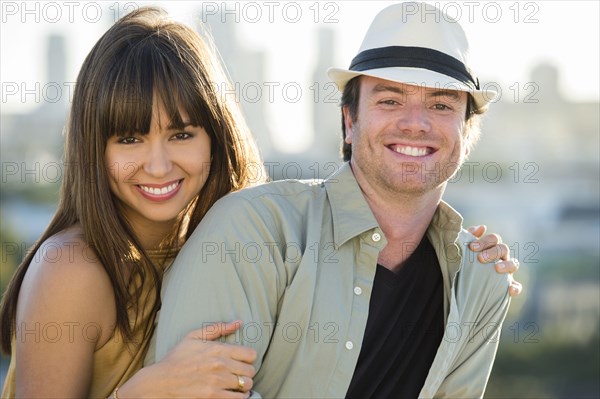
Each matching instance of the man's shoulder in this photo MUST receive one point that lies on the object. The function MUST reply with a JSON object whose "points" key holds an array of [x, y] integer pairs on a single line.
{"points": [[279, 187], [285, 190], [268, 200]]}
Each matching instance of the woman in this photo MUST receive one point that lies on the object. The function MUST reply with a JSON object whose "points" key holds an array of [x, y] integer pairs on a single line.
{"points": [[150, 146]]}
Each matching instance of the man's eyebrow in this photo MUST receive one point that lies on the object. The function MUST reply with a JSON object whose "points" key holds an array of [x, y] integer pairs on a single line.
{"points": [[444, 93], [382, 87], [399, 90]]}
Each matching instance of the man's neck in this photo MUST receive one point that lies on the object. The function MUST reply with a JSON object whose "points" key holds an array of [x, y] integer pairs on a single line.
{"points": [[403, 218]]}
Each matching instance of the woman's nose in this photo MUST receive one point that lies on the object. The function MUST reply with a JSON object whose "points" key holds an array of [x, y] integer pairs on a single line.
{"points": [[158, 162]]}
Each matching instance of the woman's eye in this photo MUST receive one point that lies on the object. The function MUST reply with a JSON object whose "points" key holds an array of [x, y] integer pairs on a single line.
{"points": [[127, 140], [182, 136]]}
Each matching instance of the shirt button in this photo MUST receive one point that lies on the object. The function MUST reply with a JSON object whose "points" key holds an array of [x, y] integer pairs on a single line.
{"points": [[357, 290], [349, 345], [376, 237]]}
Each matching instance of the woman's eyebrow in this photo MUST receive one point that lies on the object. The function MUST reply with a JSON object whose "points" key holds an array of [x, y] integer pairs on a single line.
{"points": [[173, 126]]}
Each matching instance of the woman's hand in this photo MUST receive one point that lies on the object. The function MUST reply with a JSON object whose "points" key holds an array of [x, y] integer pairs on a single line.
{"points": [[491, 249], [198, 367]]}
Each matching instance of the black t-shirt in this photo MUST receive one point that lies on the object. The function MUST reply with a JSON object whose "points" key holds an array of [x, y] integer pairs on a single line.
{"points": [[404, 329]]}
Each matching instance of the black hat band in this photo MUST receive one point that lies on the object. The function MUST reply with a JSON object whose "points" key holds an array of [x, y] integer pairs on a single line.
{"points": [[414, 57]]}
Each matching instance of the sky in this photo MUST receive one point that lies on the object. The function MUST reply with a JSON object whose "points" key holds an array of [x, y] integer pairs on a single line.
{"points": [[507, 39]]}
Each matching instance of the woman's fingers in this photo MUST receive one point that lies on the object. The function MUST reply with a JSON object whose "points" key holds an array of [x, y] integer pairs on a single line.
{"points": [[490, 248], [242, 383], [202, 366], [477, 231], [217, 330], [214, 331], [243, 354], [508, 266], [515, 288], [499, 252], [241, 368]]}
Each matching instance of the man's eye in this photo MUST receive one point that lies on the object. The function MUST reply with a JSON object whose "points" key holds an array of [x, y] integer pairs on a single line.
{"points": [[441, 107], [389, 102]]}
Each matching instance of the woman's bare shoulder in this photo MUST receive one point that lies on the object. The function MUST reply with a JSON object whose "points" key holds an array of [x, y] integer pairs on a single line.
{"points": [[66, 283]]}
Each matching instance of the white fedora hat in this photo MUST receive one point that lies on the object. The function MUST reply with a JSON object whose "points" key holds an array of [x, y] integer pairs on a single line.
{"points": [[415, 43]]}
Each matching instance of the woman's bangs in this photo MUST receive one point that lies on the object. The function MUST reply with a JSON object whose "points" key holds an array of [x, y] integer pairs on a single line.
{"points": [[151, 68], [126, 94], [176, 88]]}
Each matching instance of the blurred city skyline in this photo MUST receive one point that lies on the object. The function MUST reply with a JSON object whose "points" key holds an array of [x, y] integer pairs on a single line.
{"points": [[508, 40]]}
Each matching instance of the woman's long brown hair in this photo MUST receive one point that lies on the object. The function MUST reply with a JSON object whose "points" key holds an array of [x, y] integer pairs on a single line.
{"points": [[143, 56]]}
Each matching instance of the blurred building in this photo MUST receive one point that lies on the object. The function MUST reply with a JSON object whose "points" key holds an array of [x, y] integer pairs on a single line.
{"points": [[535, 178], [34, 139], [538, 156], [246, 71]]}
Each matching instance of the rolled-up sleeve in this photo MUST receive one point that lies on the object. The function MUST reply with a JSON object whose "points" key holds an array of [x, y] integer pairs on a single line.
{"points": [[483, 301]]}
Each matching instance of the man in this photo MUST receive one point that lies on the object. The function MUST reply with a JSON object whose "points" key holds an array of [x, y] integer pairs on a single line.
{"points": [[362, 285]]}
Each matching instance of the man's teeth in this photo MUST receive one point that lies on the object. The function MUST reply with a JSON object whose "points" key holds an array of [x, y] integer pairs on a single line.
{"points": [[412, 151], [160, 191]]}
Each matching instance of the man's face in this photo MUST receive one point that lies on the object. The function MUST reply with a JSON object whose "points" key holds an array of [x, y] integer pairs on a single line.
{"points": [[406, 139]]}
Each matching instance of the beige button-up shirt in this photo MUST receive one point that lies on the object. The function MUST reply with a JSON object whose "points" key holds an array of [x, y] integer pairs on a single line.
{"points": [[296, 261]]}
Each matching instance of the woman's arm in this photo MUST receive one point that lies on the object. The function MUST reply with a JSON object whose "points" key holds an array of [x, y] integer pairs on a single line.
{"points": [[197, 367], [65, 311]]}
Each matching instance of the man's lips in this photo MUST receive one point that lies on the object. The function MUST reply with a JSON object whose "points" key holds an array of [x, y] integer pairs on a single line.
{"points": [[411, 151]]}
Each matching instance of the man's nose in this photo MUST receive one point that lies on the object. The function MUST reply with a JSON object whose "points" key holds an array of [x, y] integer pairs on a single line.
{"points": [[414, 118]]}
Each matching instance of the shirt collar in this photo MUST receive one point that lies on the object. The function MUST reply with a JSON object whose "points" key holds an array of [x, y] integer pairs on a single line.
{"points": [[350, 212], [352, 215], [448, 219], [444, 233]]}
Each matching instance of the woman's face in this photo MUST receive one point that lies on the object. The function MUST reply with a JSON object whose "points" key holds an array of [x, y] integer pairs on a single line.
{"points": [[155, 176]]}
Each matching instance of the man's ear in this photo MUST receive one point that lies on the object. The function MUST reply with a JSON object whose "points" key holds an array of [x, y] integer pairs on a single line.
{"points": [[348, 123], [468, 143]]}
